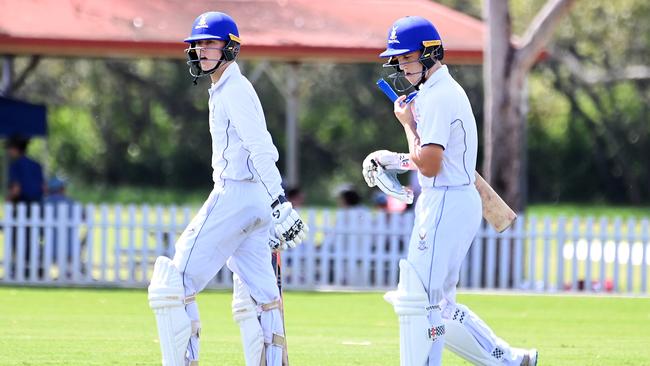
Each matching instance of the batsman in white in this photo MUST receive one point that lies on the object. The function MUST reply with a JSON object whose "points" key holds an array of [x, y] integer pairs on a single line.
{"points": [[234, 225], [442, 139]]}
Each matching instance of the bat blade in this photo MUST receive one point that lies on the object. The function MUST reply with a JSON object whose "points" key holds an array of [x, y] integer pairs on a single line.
{"points": [[276, 261], [495, 210]]}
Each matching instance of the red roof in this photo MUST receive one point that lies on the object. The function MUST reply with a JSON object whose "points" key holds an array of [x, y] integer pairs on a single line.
{"points": [[338, 30]]}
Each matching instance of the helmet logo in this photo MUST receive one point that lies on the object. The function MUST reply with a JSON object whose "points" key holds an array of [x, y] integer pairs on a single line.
{"points": [[393, 36], [202, 22]]}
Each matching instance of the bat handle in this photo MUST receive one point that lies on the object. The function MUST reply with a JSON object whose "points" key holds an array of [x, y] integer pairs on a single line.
{"points": [[385, 87]]}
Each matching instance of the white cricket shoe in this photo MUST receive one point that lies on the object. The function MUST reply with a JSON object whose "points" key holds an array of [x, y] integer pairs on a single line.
{"points": [[530, 358]]}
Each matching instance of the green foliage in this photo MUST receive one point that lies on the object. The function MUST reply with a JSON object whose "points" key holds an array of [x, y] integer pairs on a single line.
{"points": [[141, 123]]}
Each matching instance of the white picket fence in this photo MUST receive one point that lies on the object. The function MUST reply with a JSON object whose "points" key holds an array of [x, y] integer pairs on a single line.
{"points": [[346, 249]]}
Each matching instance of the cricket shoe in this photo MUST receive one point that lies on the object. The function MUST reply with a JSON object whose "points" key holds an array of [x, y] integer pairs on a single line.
{"points": [[530, 358]]}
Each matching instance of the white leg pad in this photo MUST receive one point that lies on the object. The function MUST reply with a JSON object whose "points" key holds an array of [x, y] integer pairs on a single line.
{"points": [[410, 302], [470, 338], [244, 311], [167, 300]]}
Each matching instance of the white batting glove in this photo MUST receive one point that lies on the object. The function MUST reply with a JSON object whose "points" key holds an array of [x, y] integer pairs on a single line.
{"points": [[388, 160], [289, 227], [275, 243]]}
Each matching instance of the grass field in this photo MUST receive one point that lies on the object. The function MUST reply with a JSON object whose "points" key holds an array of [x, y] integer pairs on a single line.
{"points": [[115, 327]]}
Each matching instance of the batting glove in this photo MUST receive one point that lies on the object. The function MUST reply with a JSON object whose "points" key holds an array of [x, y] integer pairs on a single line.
{"points": [[289, 228], [388, 160]]}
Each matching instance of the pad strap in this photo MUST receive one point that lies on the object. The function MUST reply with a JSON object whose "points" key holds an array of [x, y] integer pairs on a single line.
{"points": [[275, 304]]}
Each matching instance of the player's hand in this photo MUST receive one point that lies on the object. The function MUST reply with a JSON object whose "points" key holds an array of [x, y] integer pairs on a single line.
{"points": [[388, 160], [275, 243], [289, 227], [403, 111]]}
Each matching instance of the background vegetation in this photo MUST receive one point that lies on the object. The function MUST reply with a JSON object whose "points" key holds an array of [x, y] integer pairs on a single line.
{"points": [[140, 126]]}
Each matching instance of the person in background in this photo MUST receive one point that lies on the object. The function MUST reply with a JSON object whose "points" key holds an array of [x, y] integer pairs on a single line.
{"points": [[296, 196], [25, 175], [26, 187]]}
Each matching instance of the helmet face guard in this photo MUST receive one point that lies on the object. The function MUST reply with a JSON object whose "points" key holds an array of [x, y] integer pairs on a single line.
{"points": [[212, 26], [432, 52], [228, 53]]}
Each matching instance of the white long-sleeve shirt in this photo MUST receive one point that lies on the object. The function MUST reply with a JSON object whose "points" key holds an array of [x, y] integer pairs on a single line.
{"points": [[242, 148]]}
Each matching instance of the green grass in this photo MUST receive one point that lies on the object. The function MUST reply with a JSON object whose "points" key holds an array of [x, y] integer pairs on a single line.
{"points": [[586, 209], [116, 327]]}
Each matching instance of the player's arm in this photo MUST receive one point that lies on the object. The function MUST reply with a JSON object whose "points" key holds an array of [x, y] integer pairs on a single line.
{"points": [[246, 115], [427, 156], [245, 112]]}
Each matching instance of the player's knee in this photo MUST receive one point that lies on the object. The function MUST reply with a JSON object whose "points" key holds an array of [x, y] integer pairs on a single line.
{"points": [[272, 324], [243, 308]]}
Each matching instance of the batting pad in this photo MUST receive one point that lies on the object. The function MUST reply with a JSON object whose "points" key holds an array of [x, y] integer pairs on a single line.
{"points": [[167, 300], [410, 302], [470, 338]]}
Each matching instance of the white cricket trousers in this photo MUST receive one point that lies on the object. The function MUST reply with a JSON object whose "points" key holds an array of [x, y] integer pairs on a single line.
{"points": [[232, 226], [446, 221]]}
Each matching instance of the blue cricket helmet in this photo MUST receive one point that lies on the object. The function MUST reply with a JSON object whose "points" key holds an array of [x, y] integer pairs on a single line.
{"points": [[409, 34], [213, 25]]}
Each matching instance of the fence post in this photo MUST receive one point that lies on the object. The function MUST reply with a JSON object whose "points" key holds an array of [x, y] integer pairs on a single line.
{"points": [[561, 241], [73, 230], [21, 225], [589, 234], [617, 242], [103, 224], [575, 231], [144, 250], [631, 234], [34, 243], [504, 240], [89, 265], [546, 260], [520, 236], [7, 226], [490, 256], [48, 251], [602, 231], [645, 242], [117, 229], [532, 237]]}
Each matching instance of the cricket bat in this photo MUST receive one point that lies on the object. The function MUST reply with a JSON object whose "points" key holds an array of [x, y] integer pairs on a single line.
{"points": [[495, 210], [276, 261]]}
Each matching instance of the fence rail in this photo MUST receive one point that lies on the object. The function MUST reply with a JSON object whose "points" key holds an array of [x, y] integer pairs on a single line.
{"points": [[101, 245]]}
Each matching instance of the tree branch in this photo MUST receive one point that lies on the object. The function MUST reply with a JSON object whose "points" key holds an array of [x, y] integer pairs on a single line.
{"points": [[20, 80], [594, 75], [540, 31]]}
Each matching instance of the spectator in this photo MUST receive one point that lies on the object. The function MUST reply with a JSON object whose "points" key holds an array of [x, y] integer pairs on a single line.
{"points": [[25, 186], [56, 196], [296, 196], [25, 175], [348, 197]]}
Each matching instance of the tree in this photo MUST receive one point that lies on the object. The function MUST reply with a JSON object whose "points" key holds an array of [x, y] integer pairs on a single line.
{"points": [[505, 73]]}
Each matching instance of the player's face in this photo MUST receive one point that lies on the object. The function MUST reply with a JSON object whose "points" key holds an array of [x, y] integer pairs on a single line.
{"points": [[209, 52], [411, 66]]}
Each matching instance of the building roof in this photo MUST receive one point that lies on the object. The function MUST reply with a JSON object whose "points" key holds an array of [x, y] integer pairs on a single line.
{"points": [[289, 30]]}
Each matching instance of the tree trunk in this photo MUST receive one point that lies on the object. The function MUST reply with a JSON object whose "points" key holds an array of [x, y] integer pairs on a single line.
{"points": [[505, 71]]}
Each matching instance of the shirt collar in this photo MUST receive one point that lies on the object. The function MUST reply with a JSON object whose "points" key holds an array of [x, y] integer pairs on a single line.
{"points": [[231, 69], [438, 75]]}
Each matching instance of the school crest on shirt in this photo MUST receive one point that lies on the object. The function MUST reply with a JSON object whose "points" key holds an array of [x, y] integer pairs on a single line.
{"points": [[422, 244]]}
